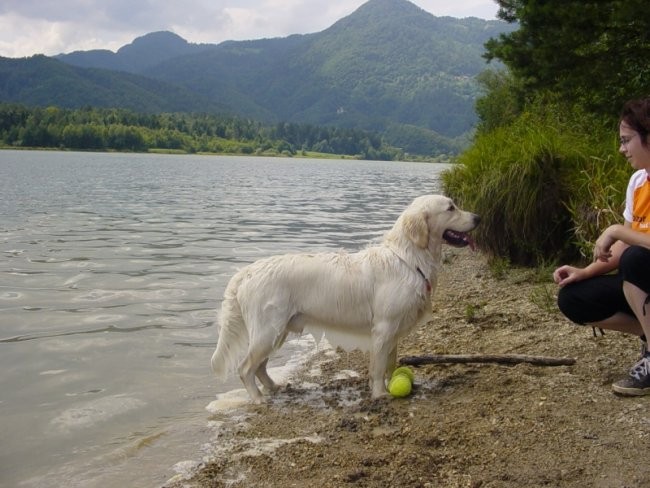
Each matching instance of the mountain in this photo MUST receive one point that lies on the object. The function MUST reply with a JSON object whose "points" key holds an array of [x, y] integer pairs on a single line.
{"points": [[42, 81], [390, 67], [144, 52]]}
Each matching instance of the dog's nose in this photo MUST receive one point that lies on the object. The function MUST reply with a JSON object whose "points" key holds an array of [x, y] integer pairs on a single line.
{"points": [[477, 219]]}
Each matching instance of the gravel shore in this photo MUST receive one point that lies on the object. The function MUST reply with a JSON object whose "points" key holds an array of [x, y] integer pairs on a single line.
{"points": [[465, 425]]}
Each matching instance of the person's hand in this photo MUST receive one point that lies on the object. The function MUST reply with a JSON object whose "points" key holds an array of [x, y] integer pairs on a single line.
{"points": [[567, 274], [603, 247]]}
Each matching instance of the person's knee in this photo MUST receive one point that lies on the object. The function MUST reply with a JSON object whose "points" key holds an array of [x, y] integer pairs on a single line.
{"points": [[569, 305], [634, 266], [631, 258]]}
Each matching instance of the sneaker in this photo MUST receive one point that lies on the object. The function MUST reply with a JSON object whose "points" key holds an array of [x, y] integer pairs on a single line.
{"points": [[638, 382]]}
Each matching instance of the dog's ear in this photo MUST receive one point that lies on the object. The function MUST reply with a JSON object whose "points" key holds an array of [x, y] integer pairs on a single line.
{"points": [[416, 229]]}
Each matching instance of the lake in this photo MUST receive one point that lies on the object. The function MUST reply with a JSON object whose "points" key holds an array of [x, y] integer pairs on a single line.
{"points": [[112, 267]]}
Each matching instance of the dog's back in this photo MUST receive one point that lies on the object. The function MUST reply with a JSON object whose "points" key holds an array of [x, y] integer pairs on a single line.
{"points": [[273, 296]]}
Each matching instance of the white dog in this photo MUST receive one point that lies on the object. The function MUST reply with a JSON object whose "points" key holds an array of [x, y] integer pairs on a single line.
{"points": [[378, 294]]}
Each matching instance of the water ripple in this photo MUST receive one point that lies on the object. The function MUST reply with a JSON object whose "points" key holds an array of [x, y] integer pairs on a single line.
{"points": [[48, 335], [114, 267]]}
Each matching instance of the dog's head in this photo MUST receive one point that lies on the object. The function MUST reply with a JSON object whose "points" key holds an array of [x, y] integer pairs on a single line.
{"points": [[433, 219]]}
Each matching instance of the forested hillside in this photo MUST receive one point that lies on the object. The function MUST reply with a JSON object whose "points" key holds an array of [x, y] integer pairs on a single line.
{"points": [[123, 130], [42, 81], [389, 67]]}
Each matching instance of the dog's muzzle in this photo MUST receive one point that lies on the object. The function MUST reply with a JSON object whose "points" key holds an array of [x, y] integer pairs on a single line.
{"points": [[461, 239]]}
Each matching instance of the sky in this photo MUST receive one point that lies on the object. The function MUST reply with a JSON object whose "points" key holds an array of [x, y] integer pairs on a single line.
{"points": [[50, 27]]}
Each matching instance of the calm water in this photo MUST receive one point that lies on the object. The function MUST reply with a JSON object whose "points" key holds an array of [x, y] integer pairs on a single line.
{"points": [[111, 268]]}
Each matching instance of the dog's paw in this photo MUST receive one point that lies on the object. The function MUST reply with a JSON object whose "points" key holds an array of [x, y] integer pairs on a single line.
{"points": [[379, 395], [258, 401], [271, 390]]}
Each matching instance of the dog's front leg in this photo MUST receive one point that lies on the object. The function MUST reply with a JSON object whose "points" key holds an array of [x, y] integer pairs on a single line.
{"points": [[391, 363], [382, 349]]}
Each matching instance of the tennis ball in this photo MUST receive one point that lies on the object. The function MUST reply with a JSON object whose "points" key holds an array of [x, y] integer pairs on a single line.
{"points": [[405, 370], [399, 386]]}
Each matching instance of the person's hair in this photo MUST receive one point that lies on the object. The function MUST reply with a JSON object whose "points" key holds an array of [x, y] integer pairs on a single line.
{"points": [[636, 114]]}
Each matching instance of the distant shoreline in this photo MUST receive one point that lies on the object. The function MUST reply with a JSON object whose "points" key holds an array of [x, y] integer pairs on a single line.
{"points": [[177, 152]]}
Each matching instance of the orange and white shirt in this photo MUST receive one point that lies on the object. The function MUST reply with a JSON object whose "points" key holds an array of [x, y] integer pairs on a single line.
{"points": [[637, 201]]}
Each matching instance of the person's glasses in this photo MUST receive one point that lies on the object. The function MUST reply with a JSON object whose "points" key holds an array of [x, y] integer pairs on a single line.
{"points": [[626, 140]]}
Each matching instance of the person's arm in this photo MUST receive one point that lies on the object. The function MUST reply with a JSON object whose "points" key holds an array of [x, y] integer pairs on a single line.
{"points": [[618, 233], [607, 254]]}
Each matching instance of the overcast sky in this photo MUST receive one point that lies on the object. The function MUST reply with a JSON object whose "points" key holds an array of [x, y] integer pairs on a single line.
{"points": [[51, 27]]}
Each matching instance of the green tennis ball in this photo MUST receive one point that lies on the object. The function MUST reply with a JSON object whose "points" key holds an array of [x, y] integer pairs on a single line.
{"points": [[406, 371], [400, 386]]}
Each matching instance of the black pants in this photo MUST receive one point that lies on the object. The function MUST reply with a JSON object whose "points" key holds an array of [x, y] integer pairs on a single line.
{"points": [[599, 298]]}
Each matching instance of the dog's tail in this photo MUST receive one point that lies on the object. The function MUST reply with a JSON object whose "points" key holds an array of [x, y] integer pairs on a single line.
{"points": [[233, 334]]}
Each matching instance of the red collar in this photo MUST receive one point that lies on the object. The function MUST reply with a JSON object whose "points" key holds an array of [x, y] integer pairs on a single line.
{"points": [[425, 280]]}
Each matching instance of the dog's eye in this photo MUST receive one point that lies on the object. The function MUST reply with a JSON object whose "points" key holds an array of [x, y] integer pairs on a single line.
{"points": [[451, 208]]}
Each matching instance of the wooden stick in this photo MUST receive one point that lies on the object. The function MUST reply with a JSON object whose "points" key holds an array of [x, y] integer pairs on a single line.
{"points": [[486, 358]]}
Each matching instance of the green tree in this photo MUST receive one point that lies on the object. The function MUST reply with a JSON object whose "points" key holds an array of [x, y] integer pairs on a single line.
{"points": [[83, 136], [591, 52], [502, 101], [122, 137]]}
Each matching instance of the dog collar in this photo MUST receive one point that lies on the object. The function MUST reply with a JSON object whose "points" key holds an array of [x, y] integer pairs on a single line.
{"points": [[426, 280]]}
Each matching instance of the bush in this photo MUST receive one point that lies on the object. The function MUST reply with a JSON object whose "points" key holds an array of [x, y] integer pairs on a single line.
{"points": [[542, 185]]}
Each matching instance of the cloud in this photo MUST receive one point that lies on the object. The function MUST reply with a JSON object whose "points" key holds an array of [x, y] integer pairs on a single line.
{"points": [[23, 37]]}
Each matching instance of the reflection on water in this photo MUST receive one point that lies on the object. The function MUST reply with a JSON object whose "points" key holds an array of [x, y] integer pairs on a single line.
{"points": [[112, 268]]}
